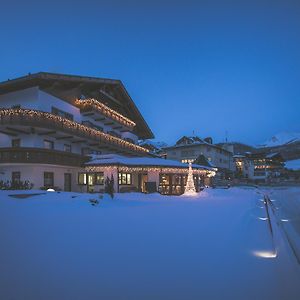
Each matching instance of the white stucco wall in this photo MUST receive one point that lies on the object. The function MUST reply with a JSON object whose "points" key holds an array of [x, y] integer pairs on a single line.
{"points": [[27, 98], [35, 174]]}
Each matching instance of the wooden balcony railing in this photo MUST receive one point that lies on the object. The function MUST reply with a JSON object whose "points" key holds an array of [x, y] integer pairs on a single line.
{"points": [[35, 118], [41, 156], [93, 104]]}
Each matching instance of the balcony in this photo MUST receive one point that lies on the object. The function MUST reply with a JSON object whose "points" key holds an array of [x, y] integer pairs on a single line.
{"points": [[41, 156], [39, 119], [88, 105]]}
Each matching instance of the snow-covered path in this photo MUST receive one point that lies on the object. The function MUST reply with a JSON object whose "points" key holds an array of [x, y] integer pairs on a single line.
{"points": [[139, 246]]}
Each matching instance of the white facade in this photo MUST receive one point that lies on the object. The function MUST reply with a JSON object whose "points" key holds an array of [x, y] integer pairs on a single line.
{"points": [[217, 156], [31, 151]]}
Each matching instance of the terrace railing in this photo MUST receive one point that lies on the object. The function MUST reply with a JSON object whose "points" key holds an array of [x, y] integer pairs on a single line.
{"points": [[42, 156], [35, 118]]}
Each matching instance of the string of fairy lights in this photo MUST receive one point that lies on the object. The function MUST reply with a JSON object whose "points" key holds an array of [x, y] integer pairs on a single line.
{"points": [[105, 110], [23, 115], [128, 169]]}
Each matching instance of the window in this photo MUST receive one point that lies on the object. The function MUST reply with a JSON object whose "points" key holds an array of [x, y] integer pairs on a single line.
{"points": [[91, 178], [99, 178], [124, 178], [62, 113], [15, 177], [67, 148], [15, 143], [82, 178], [188, 160], [48, 144], [48, 179]]}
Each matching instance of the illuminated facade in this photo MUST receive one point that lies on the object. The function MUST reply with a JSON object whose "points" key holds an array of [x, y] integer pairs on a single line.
{"points": [[244, 167], [188, 149], [267, 167], [51, 125]]}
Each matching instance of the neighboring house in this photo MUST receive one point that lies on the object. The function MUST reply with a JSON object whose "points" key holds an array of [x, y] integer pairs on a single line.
{"points": [[188, 149], [52, 124], [268, 167]]}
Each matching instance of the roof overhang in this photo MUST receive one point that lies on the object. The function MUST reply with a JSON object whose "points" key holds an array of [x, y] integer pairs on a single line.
{"points": [[69, 88]]}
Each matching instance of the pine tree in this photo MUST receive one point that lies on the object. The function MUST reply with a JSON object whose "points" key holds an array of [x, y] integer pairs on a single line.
{"points": [[190, 186]]}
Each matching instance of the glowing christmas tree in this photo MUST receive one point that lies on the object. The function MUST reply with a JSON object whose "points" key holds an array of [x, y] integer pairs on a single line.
{"points": [[190, 186]]}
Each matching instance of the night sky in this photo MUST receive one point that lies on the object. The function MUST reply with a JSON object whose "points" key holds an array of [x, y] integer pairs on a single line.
{"points": [[211, 67]]}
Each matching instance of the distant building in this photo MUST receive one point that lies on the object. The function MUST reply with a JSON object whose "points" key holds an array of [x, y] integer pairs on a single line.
{"points": [[187, 149], [244, 167], [267, 167]]}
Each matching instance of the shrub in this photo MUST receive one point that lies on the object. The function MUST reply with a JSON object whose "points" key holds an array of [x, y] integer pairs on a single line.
{"points": [[109, 186], [16, 185]]}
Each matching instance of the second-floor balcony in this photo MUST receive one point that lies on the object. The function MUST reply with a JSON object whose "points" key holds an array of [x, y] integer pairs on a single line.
{"points": [[104, 113], [9, 118], [41, 156]]}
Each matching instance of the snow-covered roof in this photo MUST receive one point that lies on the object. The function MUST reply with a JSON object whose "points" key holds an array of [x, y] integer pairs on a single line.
{"points": [[188, 141], [293, 164], [113, 159]]}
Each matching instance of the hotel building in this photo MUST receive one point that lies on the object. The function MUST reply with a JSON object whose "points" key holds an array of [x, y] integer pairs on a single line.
{"points": [[71, 132]]}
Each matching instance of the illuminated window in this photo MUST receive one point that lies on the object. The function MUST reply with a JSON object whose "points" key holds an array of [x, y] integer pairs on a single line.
{"points": [[82, 178], [99, 178], [124, 178]]}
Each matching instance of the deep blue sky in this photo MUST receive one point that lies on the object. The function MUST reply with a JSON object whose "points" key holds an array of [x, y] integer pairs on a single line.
{"points": [[207, 67]]}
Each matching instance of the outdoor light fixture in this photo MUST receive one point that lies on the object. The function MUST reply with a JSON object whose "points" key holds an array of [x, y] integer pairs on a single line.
{"points": [[105, 110], [23, 116], [265, 254]]}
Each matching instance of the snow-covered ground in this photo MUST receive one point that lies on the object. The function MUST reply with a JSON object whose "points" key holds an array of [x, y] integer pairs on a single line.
{"points": [[287, 204], [216, 245]]}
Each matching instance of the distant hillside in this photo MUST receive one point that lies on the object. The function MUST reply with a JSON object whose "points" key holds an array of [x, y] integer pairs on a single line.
{"points": [[286, 143], [155, 147], [282, 138]]}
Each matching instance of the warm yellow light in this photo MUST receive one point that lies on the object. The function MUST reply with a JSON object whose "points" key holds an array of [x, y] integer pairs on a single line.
{"points": [[30, 115], [105, 110]]}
